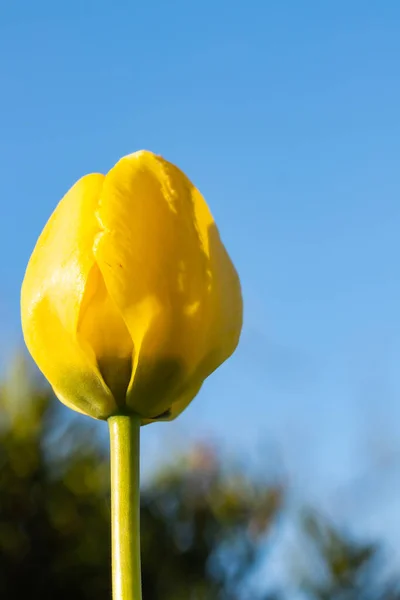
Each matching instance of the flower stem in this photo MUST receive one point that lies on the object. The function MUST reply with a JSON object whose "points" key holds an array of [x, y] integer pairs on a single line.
{"points": [[125, 507]]}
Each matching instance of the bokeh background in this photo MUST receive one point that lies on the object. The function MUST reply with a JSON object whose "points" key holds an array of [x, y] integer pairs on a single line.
{"points": [[282, 479]]}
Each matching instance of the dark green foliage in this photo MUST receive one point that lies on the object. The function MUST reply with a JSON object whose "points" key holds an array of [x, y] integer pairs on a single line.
{"points": [[54, 513], [347, 570], [201, 528]]}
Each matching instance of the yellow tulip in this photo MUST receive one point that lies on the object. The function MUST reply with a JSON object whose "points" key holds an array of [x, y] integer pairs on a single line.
{"points": [[130, 300]]}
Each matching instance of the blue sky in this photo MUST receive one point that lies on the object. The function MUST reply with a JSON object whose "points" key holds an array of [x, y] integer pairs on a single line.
{"points": [[286, 116]]}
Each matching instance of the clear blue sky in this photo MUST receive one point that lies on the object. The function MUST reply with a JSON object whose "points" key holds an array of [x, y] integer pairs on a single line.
{"points": [[287, 116]]}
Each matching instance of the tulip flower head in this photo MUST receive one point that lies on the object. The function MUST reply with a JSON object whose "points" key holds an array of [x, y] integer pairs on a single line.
{"points": [[130, 300]]}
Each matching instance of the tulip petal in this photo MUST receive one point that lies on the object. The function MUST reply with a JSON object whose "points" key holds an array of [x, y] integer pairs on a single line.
{"points": [[51, 298], [180, 403], [103, 329], [166, 271]]}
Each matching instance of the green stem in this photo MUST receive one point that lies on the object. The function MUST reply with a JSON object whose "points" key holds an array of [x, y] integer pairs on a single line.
{"points": [[125, 507]]}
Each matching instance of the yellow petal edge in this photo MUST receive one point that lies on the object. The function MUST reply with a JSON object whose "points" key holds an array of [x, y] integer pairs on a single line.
{"points": [[130, 300]]}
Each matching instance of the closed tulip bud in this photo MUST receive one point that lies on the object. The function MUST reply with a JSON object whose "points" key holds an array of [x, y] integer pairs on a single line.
{"points": [[130, 300]]}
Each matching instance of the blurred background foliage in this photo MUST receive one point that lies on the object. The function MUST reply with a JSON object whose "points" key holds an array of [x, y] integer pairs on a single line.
{"points": [[207, 526]]}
